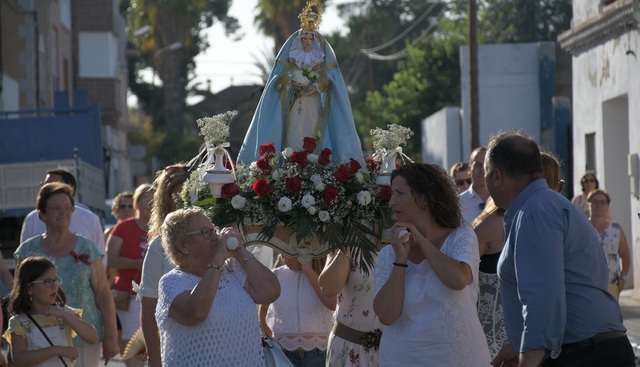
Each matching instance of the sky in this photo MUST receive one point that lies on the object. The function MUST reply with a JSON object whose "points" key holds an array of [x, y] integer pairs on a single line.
{"points": [[227, 62]]}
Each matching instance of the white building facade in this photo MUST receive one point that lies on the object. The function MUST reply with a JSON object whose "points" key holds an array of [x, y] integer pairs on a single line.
{"points": [[605, 46]]}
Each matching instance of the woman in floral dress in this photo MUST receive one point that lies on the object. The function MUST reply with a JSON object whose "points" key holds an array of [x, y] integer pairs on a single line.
{"points": [[356, 334]]}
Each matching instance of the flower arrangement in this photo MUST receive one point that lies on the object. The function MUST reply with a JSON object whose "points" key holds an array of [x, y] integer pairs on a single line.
{"points": [[313, 195], [302, 79], [392, 138], [215, 129]]}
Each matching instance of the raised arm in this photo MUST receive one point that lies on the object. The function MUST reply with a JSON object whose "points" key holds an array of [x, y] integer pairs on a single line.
{"points": [[328, 301], [335, 274], [262, 284]]}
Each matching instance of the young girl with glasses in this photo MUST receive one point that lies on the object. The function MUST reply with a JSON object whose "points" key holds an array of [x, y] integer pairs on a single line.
{"points": [[41, 326]]}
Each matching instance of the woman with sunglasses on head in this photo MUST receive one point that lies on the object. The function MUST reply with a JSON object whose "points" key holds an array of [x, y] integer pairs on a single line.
{"points": [[79, 263], [42, 326], [206, 310]]}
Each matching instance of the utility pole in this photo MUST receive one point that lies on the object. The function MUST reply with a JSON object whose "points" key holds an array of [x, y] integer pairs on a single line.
{"points": [[474, 113]]}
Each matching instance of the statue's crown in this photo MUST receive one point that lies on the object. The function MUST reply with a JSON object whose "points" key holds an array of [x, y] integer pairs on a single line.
{"points": [[310, 19]]}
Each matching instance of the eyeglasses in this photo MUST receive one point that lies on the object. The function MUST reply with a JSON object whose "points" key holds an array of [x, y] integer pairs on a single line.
{"points": [[49, 282], [125, 206], [467, 181], [588, 180], [206, 232], [58, 209]]}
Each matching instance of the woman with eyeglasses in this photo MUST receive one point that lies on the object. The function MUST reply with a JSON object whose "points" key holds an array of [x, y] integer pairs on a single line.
{"points": [[206, 310], [126, 248], [40, 330], [79, 263], [588, 183]]}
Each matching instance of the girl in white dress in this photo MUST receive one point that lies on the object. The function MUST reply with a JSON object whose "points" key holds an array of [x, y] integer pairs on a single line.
{"points": [[427, 279], [41, 328]]}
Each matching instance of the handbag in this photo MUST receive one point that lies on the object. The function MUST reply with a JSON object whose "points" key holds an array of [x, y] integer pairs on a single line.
{"points": [[273, 354], [122, 299]]}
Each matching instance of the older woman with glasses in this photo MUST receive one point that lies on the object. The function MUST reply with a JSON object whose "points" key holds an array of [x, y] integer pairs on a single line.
{"points": [[79, 263], [206, 310]]}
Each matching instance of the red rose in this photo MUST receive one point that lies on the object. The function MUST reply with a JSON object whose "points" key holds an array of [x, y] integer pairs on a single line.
{"points": [[372, 165], [267, 149], [299, 158], [293, 184], [354, 166], [230, 190], [262, 187], [325, 157], [384, 192], [309, 144], [342, 174], [264, 166], [330, 195]]}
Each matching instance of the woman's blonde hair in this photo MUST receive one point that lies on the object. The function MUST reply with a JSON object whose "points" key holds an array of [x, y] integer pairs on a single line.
{"points": [[173, 230], [166, 181], [490, 208]]}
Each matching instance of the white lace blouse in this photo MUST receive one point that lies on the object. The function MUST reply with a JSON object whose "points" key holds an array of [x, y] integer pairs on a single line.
{"points": [[298, 318], [437, 324], [230, 336]]}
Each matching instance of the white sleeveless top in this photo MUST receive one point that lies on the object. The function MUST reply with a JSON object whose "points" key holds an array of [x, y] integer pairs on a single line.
{"points": [[298, 318]]}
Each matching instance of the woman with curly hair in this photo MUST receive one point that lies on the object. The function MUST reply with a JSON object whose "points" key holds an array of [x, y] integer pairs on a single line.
{"points": [[427, 279]]}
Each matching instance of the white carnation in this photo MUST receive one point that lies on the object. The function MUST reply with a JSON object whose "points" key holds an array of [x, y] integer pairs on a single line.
{"points": [[324, 216], [307, 201], [313, 158], [276, 174], [364, 198], [287, 152], [316, 179], [238, 202], [284, 204]]}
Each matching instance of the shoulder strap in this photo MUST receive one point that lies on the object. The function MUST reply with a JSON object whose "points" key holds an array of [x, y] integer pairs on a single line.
{"points": [[46, 337]]}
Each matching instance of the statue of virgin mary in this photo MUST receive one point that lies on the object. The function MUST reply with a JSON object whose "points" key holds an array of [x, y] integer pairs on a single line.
{"points": [[305, 96]]}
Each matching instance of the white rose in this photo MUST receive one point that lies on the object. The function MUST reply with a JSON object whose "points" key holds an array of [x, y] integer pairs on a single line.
{"points": [[313, 158], [284, 204], [253, 165], [307, 201], [298, 77], [287, 152], [311, 210], [238, 202], [324, 216], [276, 174], [359, 177], [364, 198]]}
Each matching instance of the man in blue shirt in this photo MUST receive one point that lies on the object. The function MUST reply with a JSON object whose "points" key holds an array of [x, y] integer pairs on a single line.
{"points": [[553, 274]]}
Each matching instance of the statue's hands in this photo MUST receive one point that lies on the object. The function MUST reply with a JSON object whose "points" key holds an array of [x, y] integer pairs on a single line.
{"points": [[312, 91]]}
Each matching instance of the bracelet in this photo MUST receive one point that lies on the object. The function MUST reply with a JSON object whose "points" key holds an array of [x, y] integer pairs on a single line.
{"points": [[401, 265], [247, 258], [214, 266]]}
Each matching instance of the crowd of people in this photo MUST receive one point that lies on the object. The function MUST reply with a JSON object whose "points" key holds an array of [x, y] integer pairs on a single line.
{"points": [[487, 264], [443, 290]]}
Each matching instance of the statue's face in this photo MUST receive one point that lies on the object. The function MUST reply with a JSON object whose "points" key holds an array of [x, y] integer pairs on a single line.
{"points": [[307, 41]]}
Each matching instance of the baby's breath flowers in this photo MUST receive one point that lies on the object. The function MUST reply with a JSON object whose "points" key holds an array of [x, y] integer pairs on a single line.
{"points": [[392, 138], [215, 129]]}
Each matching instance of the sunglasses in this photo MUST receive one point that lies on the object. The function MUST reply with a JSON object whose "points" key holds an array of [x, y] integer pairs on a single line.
{"points": [[462, 182], [125, 206], [588, 180]]}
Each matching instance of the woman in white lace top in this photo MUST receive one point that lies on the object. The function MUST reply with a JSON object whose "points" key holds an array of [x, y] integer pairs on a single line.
{"points": [[302, 317], [206, 310], [426, 280]]}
